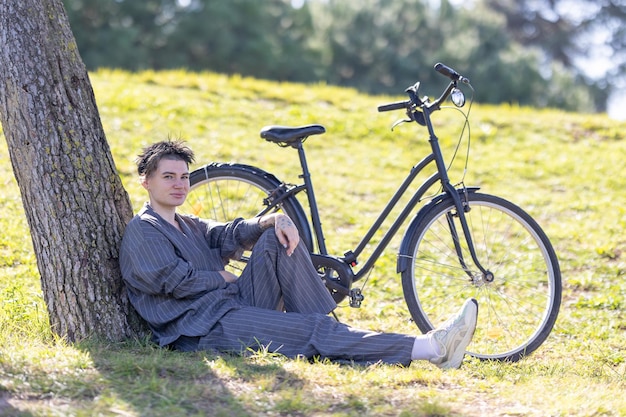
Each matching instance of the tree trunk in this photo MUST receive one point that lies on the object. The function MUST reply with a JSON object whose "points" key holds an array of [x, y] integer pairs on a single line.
{"points": [[73, 197]]}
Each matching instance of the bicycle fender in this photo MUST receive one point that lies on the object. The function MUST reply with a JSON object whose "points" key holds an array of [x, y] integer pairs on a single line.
{"points": [[232, 167], [404, 257]]}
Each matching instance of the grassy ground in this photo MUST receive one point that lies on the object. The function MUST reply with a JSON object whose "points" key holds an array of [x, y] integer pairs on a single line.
{"points": [[565, 169]]}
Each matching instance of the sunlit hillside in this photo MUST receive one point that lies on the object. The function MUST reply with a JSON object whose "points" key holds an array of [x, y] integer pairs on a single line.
{"points": [[565, 169]]}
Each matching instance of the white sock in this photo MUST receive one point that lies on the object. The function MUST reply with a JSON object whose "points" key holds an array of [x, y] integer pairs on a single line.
{"points": [[424, 348]]}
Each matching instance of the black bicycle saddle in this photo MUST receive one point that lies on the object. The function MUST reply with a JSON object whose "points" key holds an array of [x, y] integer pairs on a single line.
{"points": [[286, 135]]}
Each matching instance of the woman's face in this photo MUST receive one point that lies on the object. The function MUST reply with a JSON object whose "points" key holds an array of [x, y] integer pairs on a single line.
{"points": [[168, 185]]}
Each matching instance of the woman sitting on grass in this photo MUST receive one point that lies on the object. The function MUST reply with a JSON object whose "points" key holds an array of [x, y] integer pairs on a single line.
{"points": [[173, 266]]}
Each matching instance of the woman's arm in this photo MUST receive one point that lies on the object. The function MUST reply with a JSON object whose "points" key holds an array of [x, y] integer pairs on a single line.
{"points": [[286, 231], [149, 263], [234, 237]]}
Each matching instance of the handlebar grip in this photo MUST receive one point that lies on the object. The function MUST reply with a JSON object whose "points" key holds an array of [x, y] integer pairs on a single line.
{"points": [[447, 71], [394, 106], [450, 73]]}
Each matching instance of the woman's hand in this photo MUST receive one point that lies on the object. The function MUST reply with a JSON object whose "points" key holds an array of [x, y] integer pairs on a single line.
{"points": [[286, 231]]}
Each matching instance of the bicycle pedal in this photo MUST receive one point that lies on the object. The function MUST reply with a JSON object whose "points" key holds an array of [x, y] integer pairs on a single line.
{"points": [[356, 297]]}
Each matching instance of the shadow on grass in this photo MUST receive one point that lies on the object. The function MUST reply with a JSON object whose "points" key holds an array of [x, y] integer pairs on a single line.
{"points": [[142, 379], [7, 410]]}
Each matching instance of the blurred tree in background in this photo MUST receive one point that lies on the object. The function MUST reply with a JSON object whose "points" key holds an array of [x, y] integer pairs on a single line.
{"points": [[267, 39], [530, 52], [401, 40], [574, 33]]}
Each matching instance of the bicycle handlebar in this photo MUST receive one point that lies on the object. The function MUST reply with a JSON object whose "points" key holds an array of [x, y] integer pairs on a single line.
{"points": [[398, 105], [412, 91]]}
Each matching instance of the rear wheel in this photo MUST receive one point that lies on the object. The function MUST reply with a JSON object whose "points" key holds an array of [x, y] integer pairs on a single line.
{"points": [[223, 192], [517, 307]]}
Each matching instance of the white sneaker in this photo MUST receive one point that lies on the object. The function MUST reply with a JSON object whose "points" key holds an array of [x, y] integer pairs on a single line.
{"points": [[454, 335]]}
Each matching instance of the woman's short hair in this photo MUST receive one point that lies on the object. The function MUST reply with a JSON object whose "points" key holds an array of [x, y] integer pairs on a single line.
{"points": [[148, 160]]}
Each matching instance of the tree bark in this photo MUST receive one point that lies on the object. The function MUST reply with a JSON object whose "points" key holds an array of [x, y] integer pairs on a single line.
{"points": [[74, 200]]}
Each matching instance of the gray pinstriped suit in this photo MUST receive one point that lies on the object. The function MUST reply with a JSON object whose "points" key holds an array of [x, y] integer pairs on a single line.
{"points": [[174, 284]]}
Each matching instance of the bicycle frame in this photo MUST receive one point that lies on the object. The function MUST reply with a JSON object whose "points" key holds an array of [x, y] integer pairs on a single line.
{"points": [[351, 256], [419, 111]]}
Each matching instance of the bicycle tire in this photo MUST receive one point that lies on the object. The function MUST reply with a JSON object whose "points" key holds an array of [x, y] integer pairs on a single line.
{"points": [[225, 191], [518, 309]]}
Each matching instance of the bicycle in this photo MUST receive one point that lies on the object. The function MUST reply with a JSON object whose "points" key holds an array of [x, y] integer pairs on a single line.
{"points": [[460, 243]]}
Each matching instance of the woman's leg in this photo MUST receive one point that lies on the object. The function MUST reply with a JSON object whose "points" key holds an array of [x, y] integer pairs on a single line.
{"points": [[308, 335], [274, 281]]}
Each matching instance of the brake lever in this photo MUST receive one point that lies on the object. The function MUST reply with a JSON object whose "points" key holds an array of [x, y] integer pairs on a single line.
{"points": [[399, 122], [414, 116]]}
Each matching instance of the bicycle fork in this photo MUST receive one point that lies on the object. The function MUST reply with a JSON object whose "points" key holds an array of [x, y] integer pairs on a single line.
{"points": [[462, 206]]}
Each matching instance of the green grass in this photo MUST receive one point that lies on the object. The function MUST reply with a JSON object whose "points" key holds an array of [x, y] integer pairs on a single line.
{"points": [[565, 169]]}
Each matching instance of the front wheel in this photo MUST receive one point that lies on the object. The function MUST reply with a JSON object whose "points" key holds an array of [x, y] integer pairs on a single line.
{"points": [[518, 304]]}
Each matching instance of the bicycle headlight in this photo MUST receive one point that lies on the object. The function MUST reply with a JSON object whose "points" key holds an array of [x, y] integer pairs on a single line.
{"points": [[457, 97]]}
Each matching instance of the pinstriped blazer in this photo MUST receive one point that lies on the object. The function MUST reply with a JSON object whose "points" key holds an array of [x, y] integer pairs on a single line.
{"points": [[172, 278]]}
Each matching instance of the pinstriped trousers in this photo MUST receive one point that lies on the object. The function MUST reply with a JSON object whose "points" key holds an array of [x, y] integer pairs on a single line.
{"points": [[284, 309]]}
